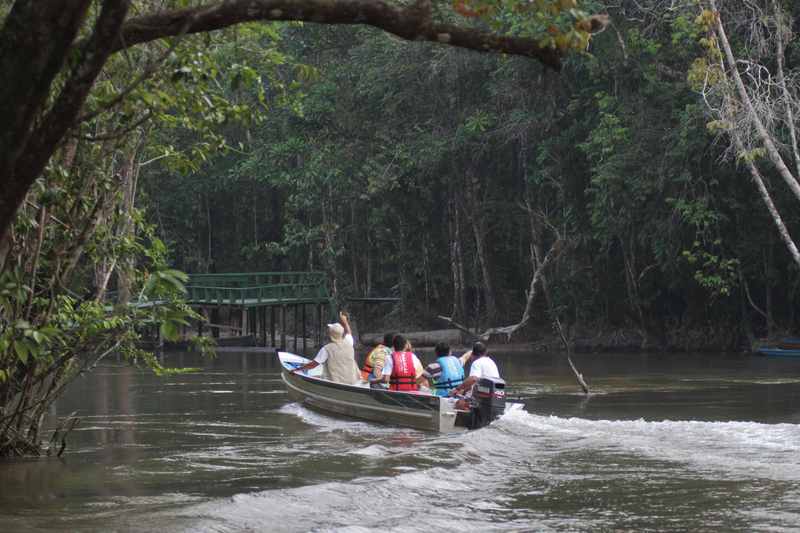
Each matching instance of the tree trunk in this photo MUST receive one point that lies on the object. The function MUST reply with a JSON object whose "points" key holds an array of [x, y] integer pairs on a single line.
{"points": [[209, 235], [479, 223], [768, 266], [419, 338], [632, 286], [370, 244], [746, 101], [34, 44], [354, 255], [129, 175], [781, 26], [767, 199], [456, 261]]}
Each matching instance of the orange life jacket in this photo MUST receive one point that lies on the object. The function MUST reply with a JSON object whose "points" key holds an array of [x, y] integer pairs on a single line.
{"points": [[366, 370]]}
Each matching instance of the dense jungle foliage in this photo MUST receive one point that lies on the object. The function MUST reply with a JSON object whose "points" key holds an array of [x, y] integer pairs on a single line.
{"points": [[634, 181], [430, 173]]}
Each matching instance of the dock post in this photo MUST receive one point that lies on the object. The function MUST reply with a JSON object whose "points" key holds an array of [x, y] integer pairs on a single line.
{"points": [[262, 323], [272, 326], [304, 329], [283, 326], [215, 320], [294, 328]]}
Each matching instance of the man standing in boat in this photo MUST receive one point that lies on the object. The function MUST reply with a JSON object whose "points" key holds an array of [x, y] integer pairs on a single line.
{"points": [[482, 367], [338, 356]]}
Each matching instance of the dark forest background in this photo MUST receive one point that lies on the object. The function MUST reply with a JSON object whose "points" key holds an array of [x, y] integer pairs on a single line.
{"points": [[434, 174]]}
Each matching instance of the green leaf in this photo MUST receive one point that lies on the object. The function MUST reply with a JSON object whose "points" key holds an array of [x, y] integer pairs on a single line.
{"points": [[169, 331], [22, 351]]}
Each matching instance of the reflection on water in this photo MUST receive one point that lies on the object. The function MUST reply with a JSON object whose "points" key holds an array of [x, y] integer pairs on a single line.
{"points": [[664, 442]]}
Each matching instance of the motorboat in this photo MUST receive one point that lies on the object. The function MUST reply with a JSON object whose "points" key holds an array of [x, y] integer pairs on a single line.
{"points": [[774, 351], [418, 409]]}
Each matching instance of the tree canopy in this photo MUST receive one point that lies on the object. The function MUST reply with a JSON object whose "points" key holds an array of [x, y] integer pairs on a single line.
{"points": [[55, 51]]}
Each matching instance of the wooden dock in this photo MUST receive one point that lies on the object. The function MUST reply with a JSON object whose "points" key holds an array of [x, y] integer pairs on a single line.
{"points": [[267, 305]]}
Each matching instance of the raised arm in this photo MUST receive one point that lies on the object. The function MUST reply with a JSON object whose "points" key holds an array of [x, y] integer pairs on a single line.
{"points": [[345, 322]]}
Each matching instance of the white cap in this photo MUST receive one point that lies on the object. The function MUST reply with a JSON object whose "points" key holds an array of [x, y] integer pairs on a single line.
{"points": [[336, 331]]}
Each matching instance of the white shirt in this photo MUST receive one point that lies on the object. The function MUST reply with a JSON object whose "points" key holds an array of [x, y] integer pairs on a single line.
{"points": [[388, 365], [322, 354], [484, 367]]}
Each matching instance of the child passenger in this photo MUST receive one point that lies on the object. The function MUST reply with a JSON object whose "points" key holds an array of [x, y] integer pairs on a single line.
{"points": [[446, 373]]}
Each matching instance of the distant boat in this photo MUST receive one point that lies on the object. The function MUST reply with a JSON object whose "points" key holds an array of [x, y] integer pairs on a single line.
{"points": [[407, 409], [780, 351], [789, 343]]}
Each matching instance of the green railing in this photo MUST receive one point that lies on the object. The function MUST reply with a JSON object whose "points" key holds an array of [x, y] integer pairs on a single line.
{"points": [[257, 288]]}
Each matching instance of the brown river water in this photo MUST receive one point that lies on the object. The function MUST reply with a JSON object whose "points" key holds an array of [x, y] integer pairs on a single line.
{"points": [[665, 443]]}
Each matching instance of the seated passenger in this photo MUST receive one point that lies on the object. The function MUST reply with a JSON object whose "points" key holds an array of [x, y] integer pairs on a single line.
{"points": [[482, 367], [402, 369], [373, 363], [338, 356], [446, 372], [418, 368]]}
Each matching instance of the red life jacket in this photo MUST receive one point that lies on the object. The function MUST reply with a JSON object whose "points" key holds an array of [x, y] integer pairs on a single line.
{"points": [[404, 375]]}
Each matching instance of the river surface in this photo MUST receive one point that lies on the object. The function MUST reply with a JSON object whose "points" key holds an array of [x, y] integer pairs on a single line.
{"points": [[665, 442]]}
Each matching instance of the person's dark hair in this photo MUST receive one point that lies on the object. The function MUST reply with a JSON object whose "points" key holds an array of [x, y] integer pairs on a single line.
{"points": [[442, 349], [478, 349], [388, 338], [399, 343]]}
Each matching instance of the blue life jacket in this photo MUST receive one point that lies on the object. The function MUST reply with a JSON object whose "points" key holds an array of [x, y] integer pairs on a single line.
{"points": [[451, 377]]}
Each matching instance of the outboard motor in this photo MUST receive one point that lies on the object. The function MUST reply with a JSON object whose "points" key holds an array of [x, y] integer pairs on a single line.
{"points": [[488, 402]]}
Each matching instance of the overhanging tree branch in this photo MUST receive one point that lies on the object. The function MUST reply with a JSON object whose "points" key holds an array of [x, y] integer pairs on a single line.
{"points": [[29, 140], [413, 23]]}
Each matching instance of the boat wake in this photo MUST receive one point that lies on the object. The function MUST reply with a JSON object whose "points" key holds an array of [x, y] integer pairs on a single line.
{"points": [[731, 448], [509, 476]]}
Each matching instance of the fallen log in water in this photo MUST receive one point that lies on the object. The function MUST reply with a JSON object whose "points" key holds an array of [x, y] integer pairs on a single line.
{"points": [[418, 338]]}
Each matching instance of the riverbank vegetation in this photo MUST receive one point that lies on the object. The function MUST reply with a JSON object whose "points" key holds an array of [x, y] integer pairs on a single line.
{"points": [[611, 174]]}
